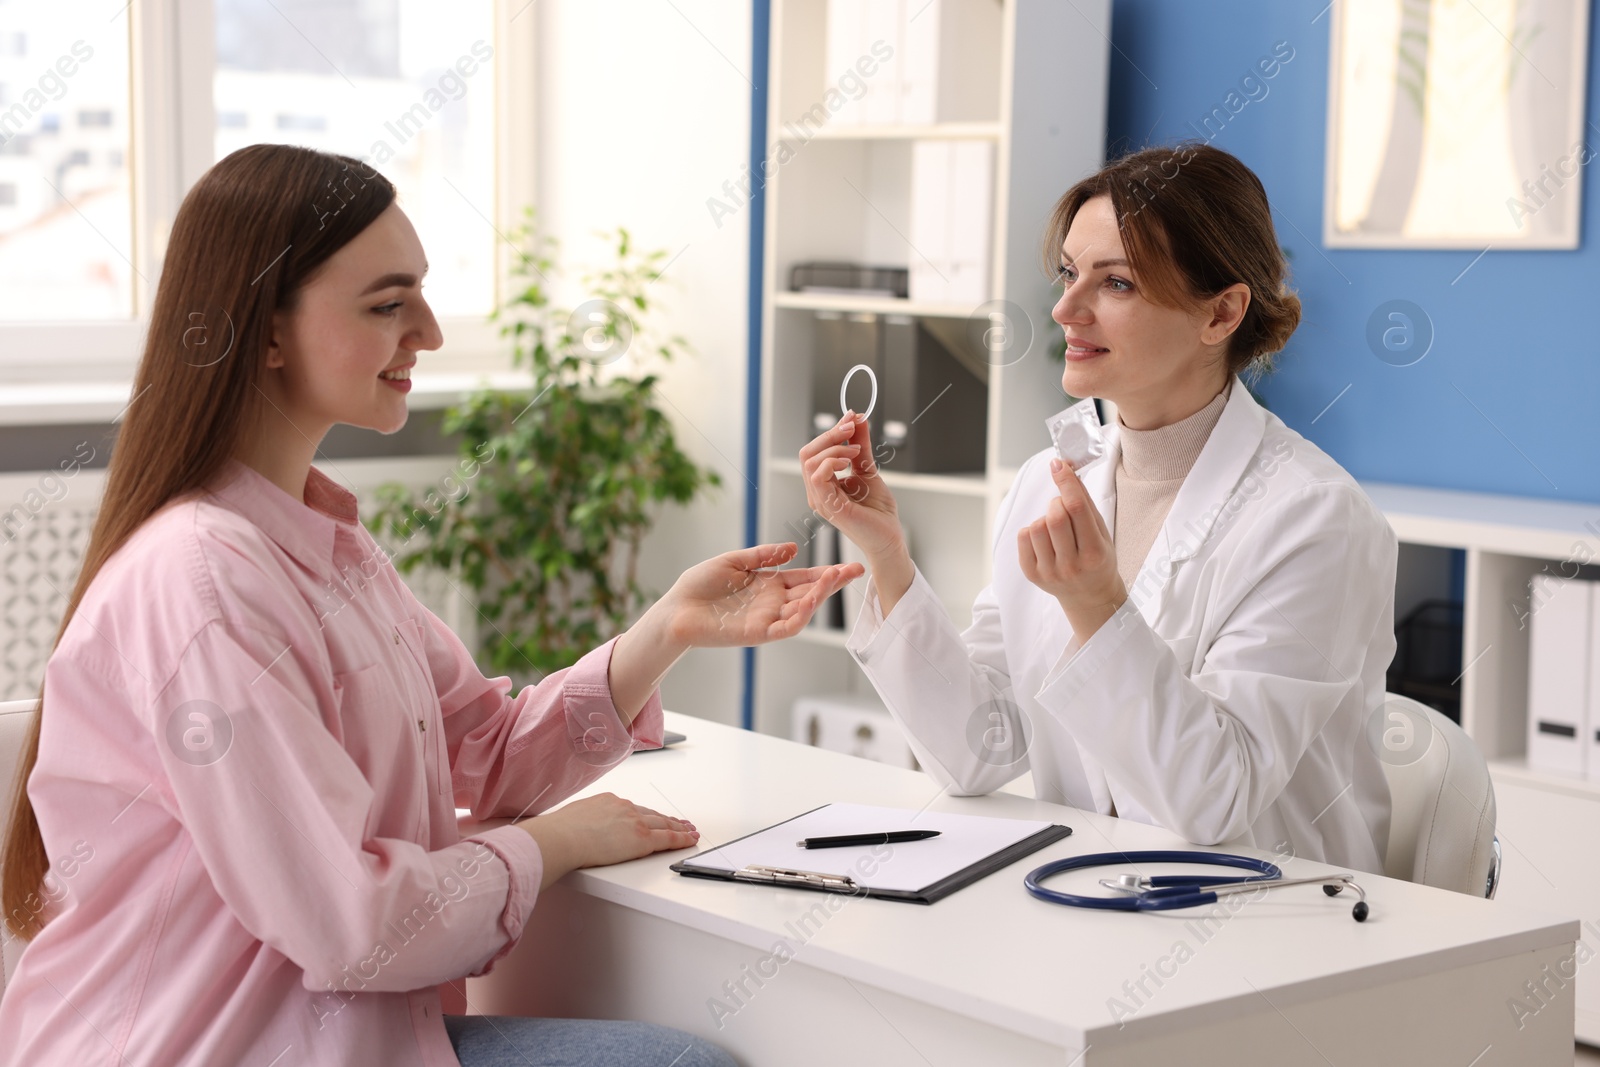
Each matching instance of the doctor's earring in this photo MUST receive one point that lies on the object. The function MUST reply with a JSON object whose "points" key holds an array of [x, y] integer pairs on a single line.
{"points": [[999, 732]]}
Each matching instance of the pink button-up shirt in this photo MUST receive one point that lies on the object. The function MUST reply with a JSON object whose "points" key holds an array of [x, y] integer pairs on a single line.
{"points": [[254, 742]]}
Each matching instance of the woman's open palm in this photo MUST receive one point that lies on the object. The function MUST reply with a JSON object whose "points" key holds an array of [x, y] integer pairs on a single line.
{"points": [[741, 598]]}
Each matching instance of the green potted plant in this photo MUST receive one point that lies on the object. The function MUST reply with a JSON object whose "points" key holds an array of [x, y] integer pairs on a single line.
{"points": [[560, 481]]}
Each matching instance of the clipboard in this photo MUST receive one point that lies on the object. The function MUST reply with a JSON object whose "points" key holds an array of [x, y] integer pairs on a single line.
{"points": [[969, 847]]}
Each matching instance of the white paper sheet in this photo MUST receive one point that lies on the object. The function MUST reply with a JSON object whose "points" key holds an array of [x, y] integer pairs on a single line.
{"points": [[910, 867]]}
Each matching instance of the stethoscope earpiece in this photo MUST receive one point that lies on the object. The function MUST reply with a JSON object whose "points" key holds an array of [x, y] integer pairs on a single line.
{"points": [[1359, 912]]}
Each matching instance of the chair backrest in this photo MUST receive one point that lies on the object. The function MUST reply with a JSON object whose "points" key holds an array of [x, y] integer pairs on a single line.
{"points": [[1441, 829], [14, 720]]}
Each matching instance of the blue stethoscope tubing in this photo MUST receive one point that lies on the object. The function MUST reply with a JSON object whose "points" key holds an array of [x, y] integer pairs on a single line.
{"points": [[1171, 891]]}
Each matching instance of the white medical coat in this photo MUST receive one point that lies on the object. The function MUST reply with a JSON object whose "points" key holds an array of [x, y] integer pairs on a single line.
{"points": [[1229, 699]]}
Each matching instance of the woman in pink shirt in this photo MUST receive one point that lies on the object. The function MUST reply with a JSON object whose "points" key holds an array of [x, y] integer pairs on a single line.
{"points": [[236, 842]]}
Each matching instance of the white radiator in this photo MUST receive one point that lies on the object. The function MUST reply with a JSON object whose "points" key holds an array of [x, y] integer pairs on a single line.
{"points": [[45, 517]]}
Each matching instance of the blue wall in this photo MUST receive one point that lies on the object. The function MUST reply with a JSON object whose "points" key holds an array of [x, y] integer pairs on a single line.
{"points": [[1514, 341]]}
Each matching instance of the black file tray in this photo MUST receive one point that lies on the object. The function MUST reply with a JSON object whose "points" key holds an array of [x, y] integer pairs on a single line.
{"points": [[928, 894]]}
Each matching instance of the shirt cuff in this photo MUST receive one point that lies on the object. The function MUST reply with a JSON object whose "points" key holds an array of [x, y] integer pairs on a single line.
{"points": [[594, 726], [872, 629], [525, 871], [1082, 659], [649, 727]]}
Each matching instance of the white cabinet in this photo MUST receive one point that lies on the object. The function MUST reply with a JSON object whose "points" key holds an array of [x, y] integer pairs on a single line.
{"points": [[1550, 840], [1024, 80], [1549, 823]]}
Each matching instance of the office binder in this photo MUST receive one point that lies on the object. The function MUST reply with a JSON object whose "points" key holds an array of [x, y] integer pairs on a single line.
{"points": [[970, 847], [846, 40], [824, 552], [922, 368], [1559, 683], [933, 71], [923, 373], [952, 185], [881, 105], [1591, 728]]}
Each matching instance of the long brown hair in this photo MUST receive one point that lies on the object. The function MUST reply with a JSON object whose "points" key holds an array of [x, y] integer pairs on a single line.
{"points": [[1194, 220], [254, 229]]}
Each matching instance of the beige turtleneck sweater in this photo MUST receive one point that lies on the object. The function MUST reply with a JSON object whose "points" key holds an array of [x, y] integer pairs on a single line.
{"points": [[1153, 465]]}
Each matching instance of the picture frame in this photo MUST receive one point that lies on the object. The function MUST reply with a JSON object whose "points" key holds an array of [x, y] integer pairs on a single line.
{"points": [[1457, 124]]}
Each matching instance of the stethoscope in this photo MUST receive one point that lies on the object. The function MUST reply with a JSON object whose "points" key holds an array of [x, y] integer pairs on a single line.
{"points": [[1168, 891]]}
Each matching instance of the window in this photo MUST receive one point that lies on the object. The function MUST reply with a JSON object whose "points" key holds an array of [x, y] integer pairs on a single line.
{"points": [[406, 85], [66, 234], [299, 122], [424, 91]]}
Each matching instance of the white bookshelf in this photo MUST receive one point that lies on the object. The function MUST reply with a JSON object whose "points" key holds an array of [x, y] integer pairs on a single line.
{"points": [[877, 305], [844, 194], [1548, 823]]}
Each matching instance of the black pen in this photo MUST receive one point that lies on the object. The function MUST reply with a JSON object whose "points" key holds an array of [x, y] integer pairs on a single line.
{"points": [[887, 837]]}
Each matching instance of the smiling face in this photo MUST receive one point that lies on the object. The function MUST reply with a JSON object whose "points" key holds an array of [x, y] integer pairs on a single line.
{"points": [[344, 353], [1158, 364]]}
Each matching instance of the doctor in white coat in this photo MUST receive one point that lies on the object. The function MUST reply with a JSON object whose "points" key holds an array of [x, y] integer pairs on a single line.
{"points": [[1194, 633]]}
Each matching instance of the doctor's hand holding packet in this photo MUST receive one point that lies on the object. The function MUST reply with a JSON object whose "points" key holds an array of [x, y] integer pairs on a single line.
{"points": [[268, 790], [1191, 616]]}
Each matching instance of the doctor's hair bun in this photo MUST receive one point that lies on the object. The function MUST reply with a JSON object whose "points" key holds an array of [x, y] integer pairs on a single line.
{"points": [[1194, 221], [1271, 321]]}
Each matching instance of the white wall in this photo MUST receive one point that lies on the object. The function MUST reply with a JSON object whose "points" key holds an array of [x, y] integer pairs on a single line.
{"points": [[644, 113]]}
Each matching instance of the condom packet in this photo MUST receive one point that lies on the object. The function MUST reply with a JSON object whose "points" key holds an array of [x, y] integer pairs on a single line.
{"points": [[1077, 435]]}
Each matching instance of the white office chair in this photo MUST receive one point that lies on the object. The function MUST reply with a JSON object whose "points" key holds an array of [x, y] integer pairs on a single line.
{"points": [[1441, 831], [14, 720]]}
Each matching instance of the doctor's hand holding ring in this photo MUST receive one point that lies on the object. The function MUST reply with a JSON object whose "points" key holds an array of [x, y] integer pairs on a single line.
{"points": [[859, 504], [1069, 554]]}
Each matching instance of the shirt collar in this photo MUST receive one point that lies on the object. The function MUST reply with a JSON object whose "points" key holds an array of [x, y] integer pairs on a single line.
{"points": [[308, 530]]}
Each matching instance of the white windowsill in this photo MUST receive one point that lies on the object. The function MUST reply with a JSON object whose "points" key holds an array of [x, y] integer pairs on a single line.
{"points": [[53, 403]]}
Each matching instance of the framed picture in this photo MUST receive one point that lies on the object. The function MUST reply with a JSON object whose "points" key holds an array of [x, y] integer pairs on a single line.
{"points": [[1456, 124]]}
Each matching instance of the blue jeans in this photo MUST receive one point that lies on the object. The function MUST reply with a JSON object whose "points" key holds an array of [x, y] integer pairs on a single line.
{"points": [[514, 1041]]}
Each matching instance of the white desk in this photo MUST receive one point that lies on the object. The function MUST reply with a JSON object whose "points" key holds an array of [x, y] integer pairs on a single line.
{"points": [[991, 975]]}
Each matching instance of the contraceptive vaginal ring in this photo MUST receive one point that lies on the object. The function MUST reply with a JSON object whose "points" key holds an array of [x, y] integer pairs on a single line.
{"points": [[845, 386]]}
